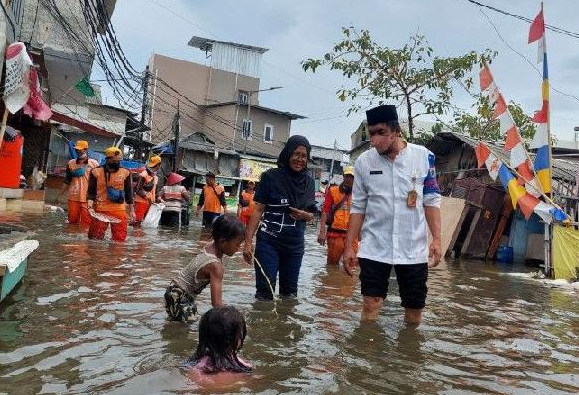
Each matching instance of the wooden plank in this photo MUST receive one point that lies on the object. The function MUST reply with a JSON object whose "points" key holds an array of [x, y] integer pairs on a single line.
{"points": [[468, 237], [457, 229], [492, 201], [2, 269], [506, 213]]}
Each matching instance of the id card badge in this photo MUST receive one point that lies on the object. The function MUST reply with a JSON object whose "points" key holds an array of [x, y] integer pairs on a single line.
{"points": [[412, 195], [411, 199]]}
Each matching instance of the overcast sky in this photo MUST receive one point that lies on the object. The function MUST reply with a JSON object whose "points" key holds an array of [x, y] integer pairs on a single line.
{"points": [[299, 29]]}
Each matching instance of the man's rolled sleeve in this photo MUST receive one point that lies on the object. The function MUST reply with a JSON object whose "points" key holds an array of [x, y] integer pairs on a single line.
{"points": [[431, 191], [359, 191]]}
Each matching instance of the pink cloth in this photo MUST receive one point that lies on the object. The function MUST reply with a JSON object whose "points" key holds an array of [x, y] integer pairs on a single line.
{"points": [[219, 380], [205, 361]]}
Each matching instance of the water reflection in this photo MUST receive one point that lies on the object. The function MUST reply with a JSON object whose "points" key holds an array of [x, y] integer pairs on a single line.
{"points": [[89, 318]]}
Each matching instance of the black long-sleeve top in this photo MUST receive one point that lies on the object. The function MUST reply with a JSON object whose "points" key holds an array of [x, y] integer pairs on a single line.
{"points": [[92, 188]]}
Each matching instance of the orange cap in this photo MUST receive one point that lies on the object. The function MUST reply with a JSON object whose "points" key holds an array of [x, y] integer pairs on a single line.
{"points": [[81, 144]]}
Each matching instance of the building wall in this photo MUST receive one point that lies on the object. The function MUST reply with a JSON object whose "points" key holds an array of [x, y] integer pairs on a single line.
{"points": [[108, 118], [260, 118], [225, 86], [196, 82], [43, 31], [219, 125], [188, 78]]}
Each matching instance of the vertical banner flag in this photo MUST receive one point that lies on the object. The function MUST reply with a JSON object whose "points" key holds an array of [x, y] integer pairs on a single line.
{"points": [[541, 140]]}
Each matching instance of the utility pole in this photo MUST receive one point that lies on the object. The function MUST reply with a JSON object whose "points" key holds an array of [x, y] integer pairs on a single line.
{"points": [[176, 126], [250, 128], [333, 156], [144, 107]]}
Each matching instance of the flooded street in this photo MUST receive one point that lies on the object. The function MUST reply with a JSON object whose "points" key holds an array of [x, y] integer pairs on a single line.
{"points": [[89, 319]]}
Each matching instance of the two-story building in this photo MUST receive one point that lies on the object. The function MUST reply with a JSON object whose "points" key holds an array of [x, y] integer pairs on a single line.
{"points": [[220, 101]]}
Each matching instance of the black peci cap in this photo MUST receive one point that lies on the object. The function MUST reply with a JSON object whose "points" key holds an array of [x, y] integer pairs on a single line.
{"points": [[381, 114]]}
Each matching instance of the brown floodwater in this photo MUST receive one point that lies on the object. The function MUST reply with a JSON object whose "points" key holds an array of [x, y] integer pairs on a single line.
{"points": [[89, 319]]}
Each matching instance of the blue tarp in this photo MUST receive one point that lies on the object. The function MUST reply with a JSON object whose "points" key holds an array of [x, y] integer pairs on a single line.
{"points": [[100, 158]]}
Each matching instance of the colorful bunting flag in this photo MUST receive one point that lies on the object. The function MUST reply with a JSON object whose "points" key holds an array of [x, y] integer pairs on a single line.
{"points": [[500, 107], [485, 156], [525, 198], [506, 122]]}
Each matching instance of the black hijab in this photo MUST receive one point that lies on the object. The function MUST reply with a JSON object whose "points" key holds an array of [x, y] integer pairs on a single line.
{"points": [[299, 185]]}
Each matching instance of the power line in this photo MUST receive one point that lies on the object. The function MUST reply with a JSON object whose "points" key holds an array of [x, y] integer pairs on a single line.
{"points": [[525, 19], [524, 57]]}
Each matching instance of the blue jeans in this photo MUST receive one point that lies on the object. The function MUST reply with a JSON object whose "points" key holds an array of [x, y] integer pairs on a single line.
{"points": [[277, 258]]}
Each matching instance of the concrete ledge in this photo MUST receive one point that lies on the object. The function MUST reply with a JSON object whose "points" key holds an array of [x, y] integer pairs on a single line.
{"points": [[2, 204], [31, 194], [10, 193], [32, 206], [13, 204]]}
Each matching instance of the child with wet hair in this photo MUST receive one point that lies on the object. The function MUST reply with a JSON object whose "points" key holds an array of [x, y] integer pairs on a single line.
{"points": [[206, 269], [221, 334]]}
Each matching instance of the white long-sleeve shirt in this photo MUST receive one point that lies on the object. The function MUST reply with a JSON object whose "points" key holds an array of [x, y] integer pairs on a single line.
{"points": [[392, 232]]}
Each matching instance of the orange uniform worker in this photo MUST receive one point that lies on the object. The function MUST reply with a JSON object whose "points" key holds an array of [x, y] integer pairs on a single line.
{"points": [[76, 182], [245, 206], [336, 216], [211, 200], [110, 190], [145, 191]]}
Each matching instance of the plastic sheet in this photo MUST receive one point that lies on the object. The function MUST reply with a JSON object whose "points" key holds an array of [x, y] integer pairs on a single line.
{"points": [[153, 216], [565, 252]]}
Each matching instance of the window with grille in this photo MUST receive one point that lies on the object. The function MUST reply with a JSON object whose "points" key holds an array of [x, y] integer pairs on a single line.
{"points": [[243, 98], [247, 128], [268, 133]]}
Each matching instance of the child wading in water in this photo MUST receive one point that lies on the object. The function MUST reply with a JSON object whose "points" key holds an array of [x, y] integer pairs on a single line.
{"points": [[206, 269], [221, 335]]}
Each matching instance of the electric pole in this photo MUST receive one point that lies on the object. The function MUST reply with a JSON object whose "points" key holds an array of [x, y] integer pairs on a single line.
{"points": [[176, 126], [144, 107], [333, 156]]}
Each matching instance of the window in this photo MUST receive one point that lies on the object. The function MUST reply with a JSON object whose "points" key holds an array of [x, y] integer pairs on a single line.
{"points": [[268, 133], [243, 98], [247, 128]]}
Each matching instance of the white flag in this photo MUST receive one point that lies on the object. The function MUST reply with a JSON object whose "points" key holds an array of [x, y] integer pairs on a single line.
{"points": [[542, 49], [492, 92], [506, 122], [540, 138], [518, 155], [493, 164]]}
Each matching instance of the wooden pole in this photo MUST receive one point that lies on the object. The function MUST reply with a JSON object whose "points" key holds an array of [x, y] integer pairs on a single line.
{"points": [[3, 127]]}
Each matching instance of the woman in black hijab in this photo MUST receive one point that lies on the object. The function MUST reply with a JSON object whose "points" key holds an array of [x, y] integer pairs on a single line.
{"points": [[284, 202]]}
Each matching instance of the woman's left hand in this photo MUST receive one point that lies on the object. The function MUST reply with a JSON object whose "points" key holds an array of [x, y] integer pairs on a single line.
{"points": [[301, 215]]}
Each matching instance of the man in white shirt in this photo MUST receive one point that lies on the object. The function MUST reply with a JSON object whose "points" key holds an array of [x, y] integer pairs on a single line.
{"points": [[395, 196]]}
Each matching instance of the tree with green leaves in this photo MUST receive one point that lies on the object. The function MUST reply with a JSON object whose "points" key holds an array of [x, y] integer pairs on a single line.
{"points": [[483, 126], [411, 76]]}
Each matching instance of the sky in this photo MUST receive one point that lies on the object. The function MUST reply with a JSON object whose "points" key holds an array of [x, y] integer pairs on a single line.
{"points": [[297, 30]]}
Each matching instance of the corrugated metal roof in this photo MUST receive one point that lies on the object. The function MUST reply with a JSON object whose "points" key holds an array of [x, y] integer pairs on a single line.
{"points": [[206, 44], [258, 107], [562, 169]]}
